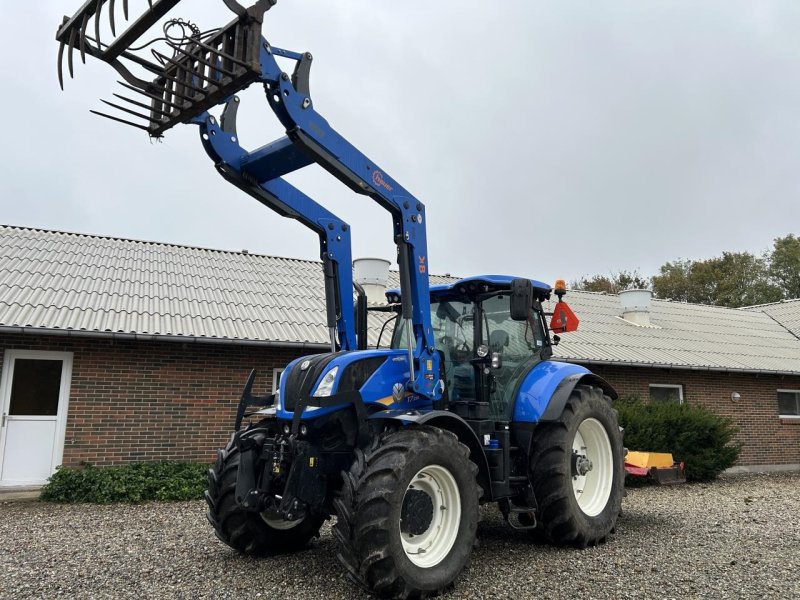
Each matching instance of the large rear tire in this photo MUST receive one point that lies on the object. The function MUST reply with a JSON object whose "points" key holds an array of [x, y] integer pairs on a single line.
{"points": [[577, 471], [408, 513], [246, 531]]}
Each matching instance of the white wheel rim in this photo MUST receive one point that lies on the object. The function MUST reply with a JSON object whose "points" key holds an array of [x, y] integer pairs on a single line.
{"points": [[592, 484], [429, 548], [280, 524]]}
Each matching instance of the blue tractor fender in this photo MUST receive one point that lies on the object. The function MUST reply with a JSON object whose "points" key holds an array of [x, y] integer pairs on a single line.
{"points": [[450, 422], [544, 391]]}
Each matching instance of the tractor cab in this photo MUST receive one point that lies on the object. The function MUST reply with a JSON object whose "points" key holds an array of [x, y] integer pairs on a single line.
{"points": [[490, 332]]}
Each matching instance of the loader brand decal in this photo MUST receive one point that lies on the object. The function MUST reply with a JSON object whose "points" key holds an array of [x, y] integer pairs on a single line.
{"points": [[422, 267], [377, 179]]}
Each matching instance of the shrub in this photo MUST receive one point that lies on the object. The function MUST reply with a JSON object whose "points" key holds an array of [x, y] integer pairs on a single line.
{"points": [[137, 482], [694, 435]]}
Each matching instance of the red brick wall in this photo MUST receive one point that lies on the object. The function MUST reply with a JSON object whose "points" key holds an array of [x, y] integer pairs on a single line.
{"points": [[132, 401], [766, 439]]}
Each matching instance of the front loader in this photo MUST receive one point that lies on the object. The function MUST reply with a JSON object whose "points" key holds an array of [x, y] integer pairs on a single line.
{"points": [[401, 443]]}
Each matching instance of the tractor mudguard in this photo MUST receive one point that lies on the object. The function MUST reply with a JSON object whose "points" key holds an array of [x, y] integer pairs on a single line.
{"points": [[562, 392], [449, 422], [546, 388]]}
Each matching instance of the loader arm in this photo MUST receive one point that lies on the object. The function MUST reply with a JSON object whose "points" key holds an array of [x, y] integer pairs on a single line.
{"points": [[208, 69], [310, 139]]}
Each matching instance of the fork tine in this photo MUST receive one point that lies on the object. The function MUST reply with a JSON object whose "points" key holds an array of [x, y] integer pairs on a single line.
{"points": [[125, 8], [141, 105], [118, 120], [111, 17], [97, 10], [82, 38], [130, 112], [72, 35], [149, 95], [61, 64]]}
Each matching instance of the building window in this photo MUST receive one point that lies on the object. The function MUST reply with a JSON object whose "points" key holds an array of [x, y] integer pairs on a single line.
{"points": [[789, 403], [663, 393], [276, 379]]}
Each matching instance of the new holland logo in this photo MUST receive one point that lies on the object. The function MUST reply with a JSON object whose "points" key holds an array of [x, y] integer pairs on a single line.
{"points": [[305, 364]]}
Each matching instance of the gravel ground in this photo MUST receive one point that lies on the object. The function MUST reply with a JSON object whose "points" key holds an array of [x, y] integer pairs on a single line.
{"points": [[736, 538]]}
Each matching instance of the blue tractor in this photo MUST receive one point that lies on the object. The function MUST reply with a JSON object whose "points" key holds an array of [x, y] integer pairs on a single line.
{"points": [[402, 444]]}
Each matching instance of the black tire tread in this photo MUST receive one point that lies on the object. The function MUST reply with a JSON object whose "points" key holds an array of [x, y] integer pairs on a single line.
{"points": [[363, 544], [243, 530], [559, 518]]}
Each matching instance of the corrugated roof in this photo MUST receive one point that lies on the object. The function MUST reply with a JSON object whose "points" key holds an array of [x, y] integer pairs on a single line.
{"points": [[86, 283], [55, 281], [684, 335], [786, 312]]}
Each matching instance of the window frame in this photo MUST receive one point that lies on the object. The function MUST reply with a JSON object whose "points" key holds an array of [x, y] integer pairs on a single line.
{"points": [[276, 378], [783, 416], [679, 386]]}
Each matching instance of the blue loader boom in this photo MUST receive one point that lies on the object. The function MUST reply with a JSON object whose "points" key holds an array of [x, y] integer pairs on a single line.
{"points": [[401, 443]]}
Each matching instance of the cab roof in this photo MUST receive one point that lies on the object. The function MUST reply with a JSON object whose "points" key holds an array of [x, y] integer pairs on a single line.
{"points": [[477, 282]]}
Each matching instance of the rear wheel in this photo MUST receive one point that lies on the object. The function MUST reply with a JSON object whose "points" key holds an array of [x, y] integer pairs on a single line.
{"points": [[577, 470], [246, 531], [408, 513]]}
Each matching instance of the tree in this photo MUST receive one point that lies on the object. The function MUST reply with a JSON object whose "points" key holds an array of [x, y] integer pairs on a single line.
{"points": [[784, 268], [673, 281], [612, 284], [734, 279]]}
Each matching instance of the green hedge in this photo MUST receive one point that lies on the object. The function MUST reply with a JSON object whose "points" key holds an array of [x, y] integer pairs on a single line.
{"points": [[137, 482], [694, 435]]}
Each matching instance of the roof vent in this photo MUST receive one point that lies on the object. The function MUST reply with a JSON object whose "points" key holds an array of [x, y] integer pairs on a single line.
{"points": [[636, 306], [373, 275]]}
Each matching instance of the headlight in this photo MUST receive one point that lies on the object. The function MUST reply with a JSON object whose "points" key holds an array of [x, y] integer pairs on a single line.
{"points": [[325, 386]]}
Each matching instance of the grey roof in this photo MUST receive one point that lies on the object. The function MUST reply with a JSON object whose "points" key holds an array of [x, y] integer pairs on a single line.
{"points": [[76, 284], [786, 312], [690, 336]]}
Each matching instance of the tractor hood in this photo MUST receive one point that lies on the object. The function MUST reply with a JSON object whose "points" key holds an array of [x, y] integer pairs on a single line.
{"points": [[321, 377]]}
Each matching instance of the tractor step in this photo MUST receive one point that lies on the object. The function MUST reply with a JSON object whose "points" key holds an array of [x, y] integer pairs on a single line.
{"points": [[525, 515]]}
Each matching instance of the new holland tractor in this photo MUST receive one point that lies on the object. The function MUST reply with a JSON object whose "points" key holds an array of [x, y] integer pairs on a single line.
{"points": [[401, 444]]}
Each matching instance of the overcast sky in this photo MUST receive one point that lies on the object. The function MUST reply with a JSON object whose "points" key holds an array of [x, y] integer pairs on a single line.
{"points": [[547, 139]]}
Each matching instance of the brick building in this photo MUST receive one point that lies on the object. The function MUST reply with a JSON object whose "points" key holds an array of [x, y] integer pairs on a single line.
{"points": [[115, 351]]}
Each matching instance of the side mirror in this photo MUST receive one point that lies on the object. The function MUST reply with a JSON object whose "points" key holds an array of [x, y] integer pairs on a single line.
{"points": [[521, 299]]}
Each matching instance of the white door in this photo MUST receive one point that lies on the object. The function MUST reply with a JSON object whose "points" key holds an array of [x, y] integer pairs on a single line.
{"points": [[34, 395]]}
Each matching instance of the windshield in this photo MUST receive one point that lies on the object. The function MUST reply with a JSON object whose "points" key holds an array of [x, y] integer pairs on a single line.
{"points": [[454, 332], [517, 343]]}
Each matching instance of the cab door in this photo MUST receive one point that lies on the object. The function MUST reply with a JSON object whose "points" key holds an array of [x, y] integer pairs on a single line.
{"points": [[514, 347]]}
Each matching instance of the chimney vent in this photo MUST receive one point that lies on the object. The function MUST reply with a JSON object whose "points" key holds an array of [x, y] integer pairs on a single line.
{"points": [[373, 275], [636, 306]]}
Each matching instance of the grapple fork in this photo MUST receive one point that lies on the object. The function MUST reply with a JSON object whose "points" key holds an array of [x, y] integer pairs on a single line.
{"points": [[181, 72]]}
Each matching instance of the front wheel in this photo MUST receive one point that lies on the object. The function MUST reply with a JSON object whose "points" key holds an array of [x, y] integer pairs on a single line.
{"points": [[408, 513], [245, 531], [577, 470]]}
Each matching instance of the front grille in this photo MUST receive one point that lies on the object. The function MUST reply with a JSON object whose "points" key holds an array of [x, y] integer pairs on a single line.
{"points": [[300, 383]]}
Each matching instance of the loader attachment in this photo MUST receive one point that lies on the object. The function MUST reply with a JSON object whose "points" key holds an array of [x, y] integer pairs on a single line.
{"points": [[175, 70]]}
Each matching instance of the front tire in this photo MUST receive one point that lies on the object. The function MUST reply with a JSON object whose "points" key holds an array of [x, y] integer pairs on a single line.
{"points": [[408, 513], [577, 471], [246, 531]]}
